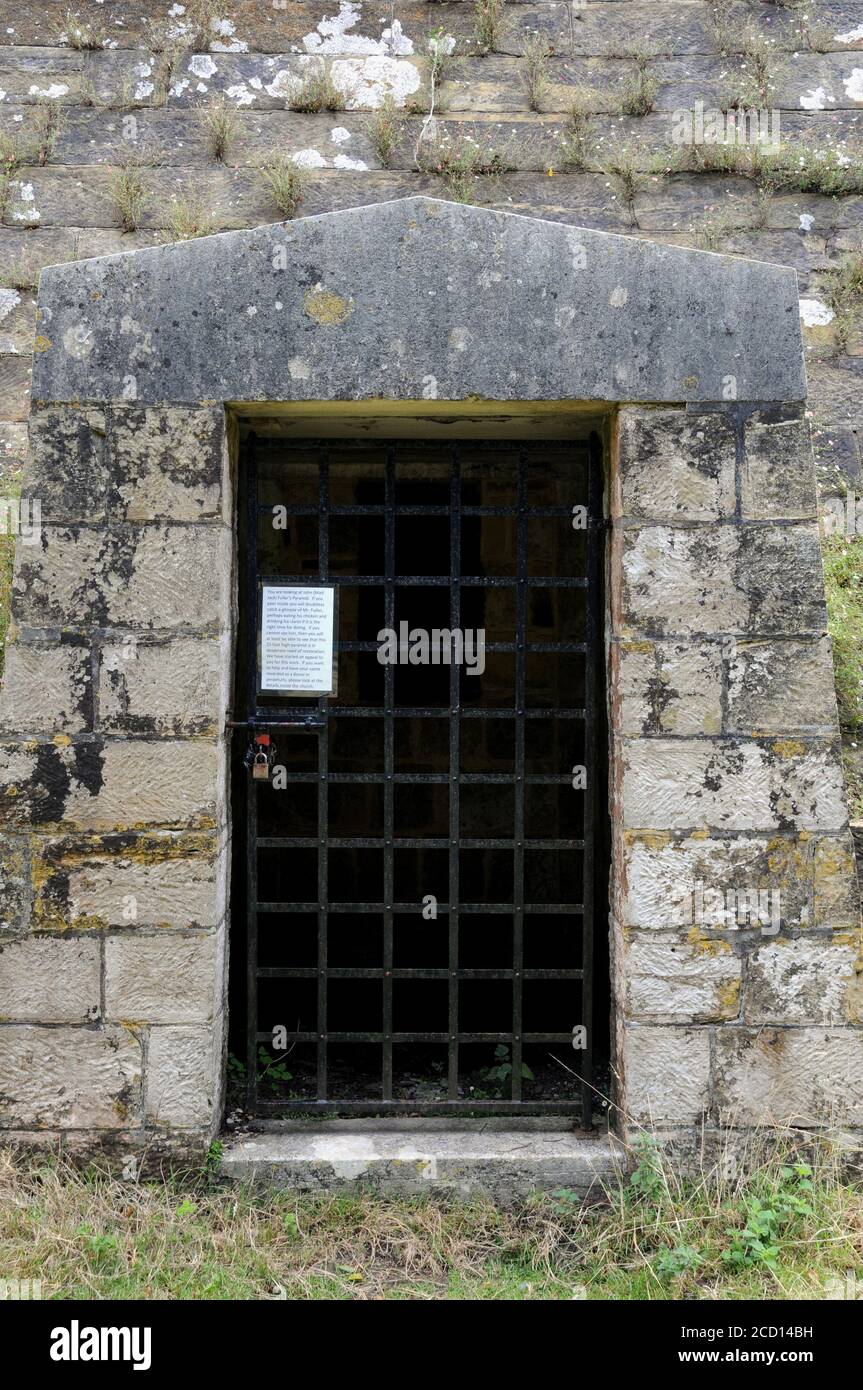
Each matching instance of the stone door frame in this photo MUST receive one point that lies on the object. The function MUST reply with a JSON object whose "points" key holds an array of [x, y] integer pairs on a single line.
{"points": [[725, 770]]}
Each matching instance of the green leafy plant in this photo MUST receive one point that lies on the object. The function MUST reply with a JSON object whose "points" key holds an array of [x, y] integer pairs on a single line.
{"points": [[671, 1264], [768, 1218], [215, 1152], [756, 1243], [499, 1076], [646, 1181], [566, 1201], [273, 1074], [98, 1244]]}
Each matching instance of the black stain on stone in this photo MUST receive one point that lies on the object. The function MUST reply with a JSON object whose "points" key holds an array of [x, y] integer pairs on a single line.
{"points": [[658, 694], [89, 762], [49, 785]]}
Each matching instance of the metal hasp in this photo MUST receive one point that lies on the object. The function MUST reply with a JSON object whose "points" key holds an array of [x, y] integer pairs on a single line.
{"points": [[542, 868]]}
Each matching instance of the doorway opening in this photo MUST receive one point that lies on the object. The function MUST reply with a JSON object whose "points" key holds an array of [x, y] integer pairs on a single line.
{"points": [[420, 881]]}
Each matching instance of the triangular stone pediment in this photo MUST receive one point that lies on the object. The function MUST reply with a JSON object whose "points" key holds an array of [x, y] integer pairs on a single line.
{"points": [[418, 299]]}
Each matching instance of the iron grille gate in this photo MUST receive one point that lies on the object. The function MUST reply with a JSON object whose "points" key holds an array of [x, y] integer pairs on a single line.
{"points": [[378, 512]]}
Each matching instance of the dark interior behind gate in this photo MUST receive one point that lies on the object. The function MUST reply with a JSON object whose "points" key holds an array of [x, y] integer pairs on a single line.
{"points": [[419, 898]]}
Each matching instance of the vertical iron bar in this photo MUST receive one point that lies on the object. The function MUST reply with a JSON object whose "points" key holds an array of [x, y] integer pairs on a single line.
{"points": [[591, 658], [518, 828], [323, 789], [454, 772], [389, 769], [251, 785]]}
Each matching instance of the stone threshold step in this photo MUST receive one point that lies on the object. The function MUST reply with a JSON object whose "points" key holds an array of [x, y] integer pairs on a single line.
{"points": [[407, 1161]]}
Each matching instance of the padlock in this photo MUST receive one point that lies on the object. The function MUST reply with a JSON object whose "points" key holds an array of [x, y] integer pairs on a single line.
{"points": [[261, 767]]}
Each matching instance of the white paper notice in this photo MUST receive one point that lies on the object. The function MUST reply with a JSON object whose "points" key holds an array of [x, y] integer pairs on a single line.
{"points": [[297, 639]]}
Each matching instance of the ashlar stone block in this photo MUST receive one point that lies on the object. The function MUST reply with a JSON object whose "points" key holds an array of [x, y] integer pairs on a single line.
{"points": [[675, 466], [69, 1078]]}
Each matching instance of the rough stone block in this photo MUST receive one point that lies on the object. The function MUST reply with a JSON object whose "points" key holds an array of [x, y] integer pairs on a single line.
{"points": [[44, 980], [146, 577], [807, 980], [799, 1076], [779, 568], [31, 75], [749, 580], [69, 469], [673, 466], [15, 374], [692, 883], [14, 885], [778, 473], [181, 1077], [680, 581], [162, 979], [13, 442], [732, 785], [46, 689], [69, 1078], [780, 687], [173, 686], [668, 687], [835, 892], [667, 1073], [670, 980], [169, 463], [17, 310], [111, 786], [132, 879]]}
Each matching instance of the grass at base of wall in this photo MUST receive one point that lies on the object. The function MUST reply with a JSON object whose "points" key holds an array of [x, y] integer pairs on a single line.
{"points": [[789, 1230], [843, 582]]}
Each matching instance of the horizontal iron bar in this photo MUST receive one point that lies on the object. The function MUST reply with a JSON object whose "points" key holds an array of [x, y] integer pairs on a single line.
{"points": [[442, 1038], [551, 647], [374, 972], [313, 724], [411, 509], [362, 1108], [409, 909], [426, 581], [403, 842], [430, 779], [431, 712]]}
